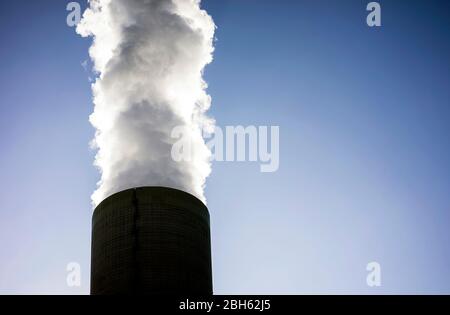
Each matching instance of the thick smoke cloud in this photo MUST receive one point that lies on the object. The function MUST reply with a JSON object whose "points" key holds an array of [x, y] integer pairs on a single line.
{"points": [[149, 56]]}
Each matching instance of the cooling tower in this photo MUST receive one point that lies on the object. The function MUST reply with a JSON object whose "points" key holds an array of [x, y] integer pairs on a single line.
{"points": [[151, 240]]}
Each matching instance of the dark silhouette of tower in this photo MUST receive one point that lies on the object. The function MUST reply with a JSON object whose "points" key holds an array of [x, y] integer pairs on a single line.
{"points": [[151, 240]]}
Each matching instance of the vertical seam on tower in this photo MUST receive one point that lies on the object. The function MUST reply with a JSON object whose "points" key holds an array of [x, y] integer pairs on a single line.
{"points": [[135, 281]]}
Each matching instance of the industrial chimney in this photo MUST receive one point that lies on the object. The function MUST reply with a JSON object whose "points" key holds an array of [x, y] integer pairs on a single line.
{"points": [[151, 240]]}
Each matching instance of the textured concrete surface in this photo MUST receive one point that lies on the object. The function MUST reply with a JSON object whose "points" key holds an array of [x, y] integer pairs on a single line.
{"points": [[151, 240]]}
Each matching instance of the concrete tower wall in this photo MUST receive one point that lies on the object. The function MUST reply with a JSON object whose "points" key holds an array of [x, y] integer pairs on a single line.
{"points": [[151, 240]]}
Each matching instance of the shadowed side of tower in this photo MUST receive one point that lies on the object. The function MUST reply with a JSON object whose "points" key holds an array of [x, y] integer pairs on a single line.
{"points": [[151, 240]]}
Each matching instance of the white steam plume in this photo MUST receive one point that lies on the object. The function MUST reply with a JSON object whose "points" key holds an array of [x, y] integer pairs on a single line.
{"points": [[149, 56]]}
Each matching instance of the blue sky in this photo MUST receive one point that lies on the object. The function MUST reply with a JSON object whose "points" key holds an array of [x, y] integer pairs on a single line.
{"points": [[364, 162]]}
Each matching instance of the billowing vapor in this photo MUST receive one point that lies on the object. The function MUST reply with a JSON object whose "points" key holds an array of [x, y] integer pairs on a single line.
{"points": [[149, 56]]}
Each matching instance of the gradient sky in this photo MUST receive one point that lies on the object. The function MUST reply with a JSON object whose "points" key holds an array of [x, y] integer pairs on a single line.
{"points": [[365, 147]]}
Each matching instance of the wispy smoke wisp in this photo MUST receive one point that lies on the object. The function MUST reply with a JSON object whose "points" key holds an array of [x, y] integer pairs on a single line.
{"points": [[149, 56]]}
